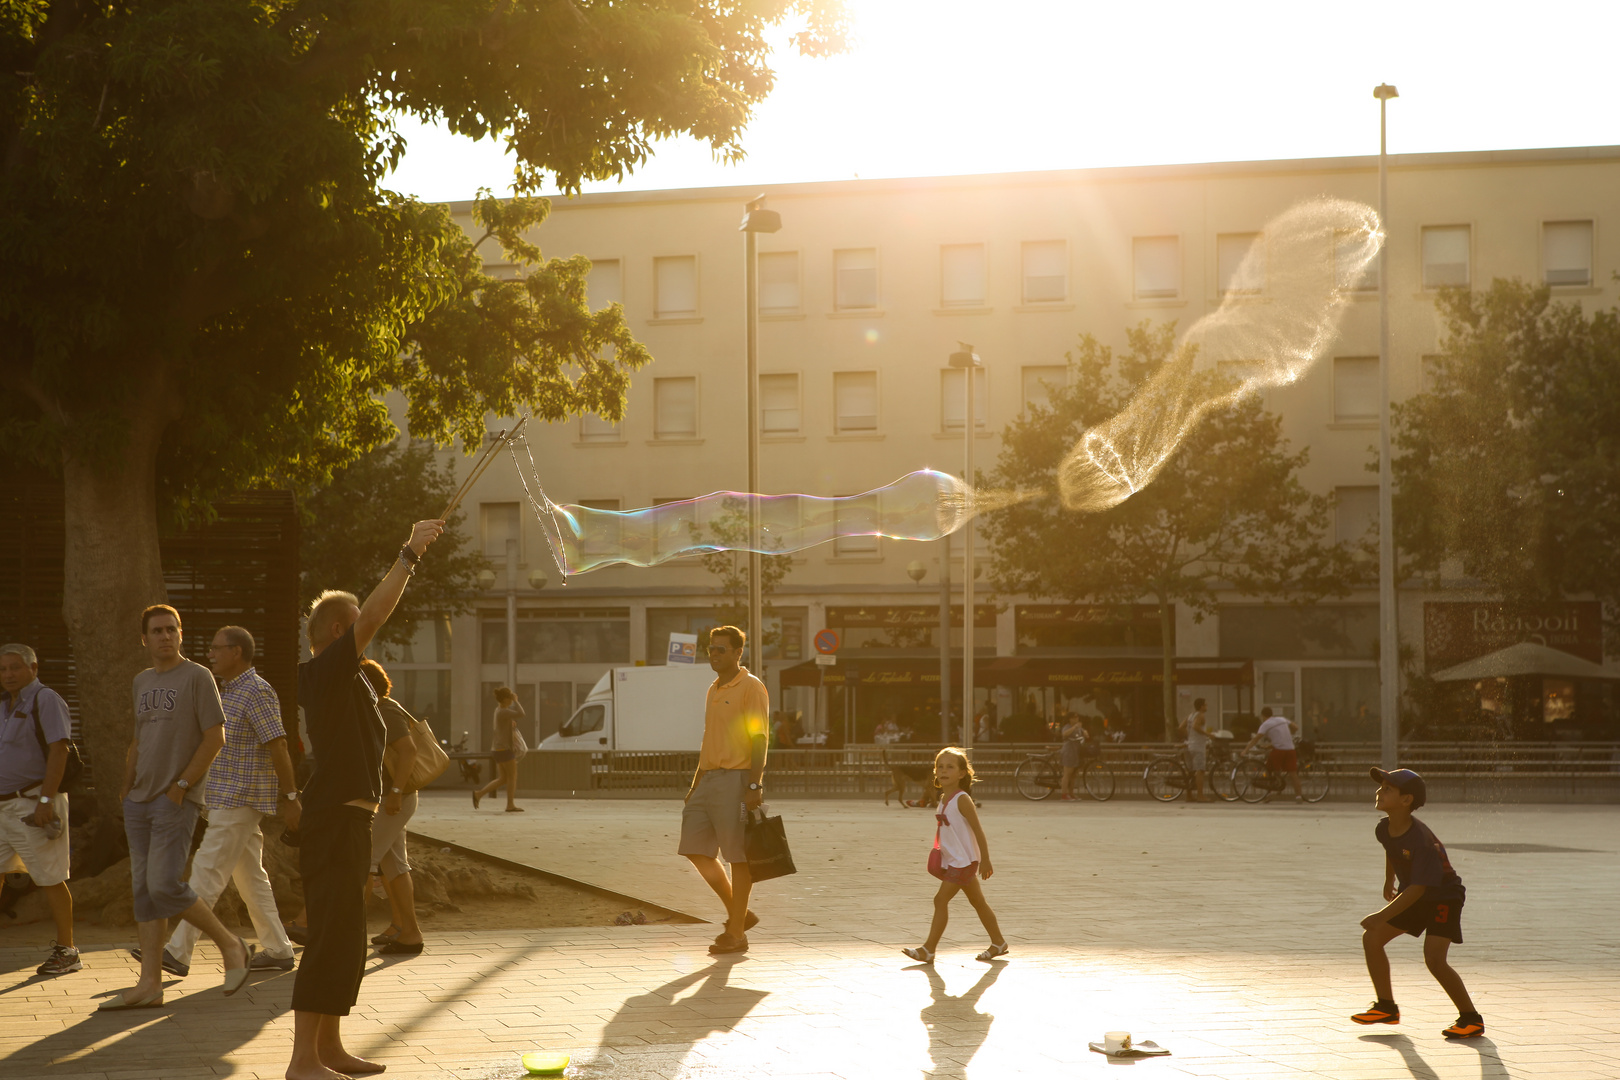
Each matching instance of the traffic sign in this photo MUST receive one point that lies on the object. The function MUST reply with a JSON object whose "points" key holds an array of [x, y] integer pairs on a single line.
{"points": [[826, 660], [827, 642]]}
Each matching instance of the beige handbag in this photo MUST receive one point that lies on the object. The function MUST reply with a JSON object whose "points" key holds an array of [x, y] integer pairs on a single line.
{"points": [[431, 760]]}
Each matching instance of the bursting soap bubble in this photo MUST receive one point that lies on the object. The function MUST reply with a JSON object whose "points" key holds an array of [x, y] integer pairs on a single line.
{"points": [[1307, 266]]}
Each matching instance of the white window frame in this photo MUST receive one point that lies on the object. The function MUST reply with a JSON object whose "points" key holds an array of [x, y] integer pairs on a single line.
{"points": [[856, 547], [1339, 415], [877, 403], [1423, 257], [484, 509], [595, 264], [798, 403], [1591, 254], [1367, 282], [798, 283], [949, 396], [945, 252], [1024, 374], [697, 410], [1226, 283], [877, 280], [1137, 243], [696, 310], [1024, 275], [1339, 508]]}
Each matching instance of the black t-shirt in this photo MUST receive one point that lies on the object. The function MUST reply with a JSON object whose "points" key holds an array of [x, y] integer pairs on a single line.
{"points": [[345, 730], [1418, 857]]}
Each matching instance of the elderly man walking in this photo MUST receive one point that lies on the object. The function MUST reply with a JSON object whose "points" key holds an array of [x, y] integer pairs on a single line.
{"points": [[251, 777], [34, 733], [730, 777], [347, 735], [179, 728]]}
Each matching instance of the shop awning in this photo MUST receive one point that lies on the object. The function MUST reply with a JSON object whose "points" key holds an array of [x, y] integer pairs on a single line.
{"points": [[1075, 672], [1525, 658]]}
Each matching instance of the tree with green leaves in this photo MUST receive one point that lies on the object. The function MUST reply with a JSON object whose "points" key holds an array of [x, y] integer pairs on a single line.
{"points": [[1508, 464], [205, 283], [1227, 513], [349, 532]]}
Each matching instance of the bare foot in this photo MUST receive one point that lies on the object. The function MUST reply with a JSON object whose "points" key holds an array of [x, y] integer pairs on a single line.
{"points": [[349, 1065], [319, 1072]]}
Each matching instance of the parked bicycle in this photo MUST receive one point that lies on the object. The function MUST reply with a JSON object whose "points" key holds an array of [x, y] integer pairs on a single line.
{"points": [[1039, 775], [1254, 779]]}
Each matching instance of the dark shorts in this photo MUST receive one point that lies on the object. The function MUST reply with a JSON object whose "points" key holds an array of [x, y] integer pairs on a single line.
{"points": [[502, 756], [1283, 761], [1441, 917]]}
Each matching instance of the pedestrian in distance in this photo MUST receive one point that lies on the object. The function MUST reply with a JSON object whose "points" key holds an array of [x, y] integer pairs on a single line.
{"points": [[179, 730], [1425, 899], [389, 859], [347, 736], [251, 777], [507, 714], [1074, 746], [960, 856], [1282, 757], [35, 730], [1197, 749], [729, 784]]}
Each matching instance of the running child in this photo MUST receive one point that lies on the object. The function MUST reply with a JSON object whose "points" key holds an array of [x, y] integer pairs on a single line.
{"points": [[1425, 898], [961, 855]]}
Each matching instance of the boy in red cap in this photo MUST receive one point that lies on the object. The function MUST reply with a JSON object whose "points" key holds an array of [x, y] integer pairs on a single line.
{"points": [[1425, 898]]}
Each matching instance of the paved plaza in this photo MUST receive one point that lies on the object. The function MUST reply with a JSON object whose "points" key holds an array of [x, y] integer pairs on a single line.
{"points": [[1225, 933]]}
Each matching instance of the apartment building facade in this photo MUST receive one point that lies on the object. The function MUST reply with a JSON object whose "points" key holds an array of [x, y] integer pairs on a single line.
{"points": [[863, 294]]}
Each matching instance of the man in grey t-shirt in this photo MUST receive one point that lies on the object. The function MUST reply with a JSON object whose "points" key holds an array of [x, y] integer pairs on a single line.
{"points": [[179, 727]]}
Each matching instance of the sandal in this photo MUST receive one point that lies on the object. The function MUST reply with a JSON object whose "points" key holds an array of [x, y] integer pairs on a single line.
{"points": [[992, 952], [919, 954], [387, 935], [476, 798]]}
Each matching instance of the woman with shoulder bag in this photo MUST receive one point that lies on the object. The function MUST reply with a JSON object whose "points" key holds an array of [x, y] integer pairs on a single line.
{"points": [[509, 747], [388, 856]]}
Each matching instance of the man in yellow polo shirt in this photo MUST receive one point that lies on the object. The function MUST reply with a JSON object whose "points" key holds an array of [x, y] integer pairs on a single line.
{"points": [[729, 781]]}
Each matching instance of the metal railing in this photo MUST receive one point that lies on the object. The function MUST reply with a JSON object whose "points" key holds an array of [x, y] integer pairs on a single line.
{"points": [[1505, 771]]}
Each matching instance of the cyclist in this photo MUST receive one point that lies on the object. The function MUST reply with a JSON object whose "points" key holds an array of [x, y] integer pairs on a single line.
{"points": [[1282, 759], [1197, 748], [1074, 743]]}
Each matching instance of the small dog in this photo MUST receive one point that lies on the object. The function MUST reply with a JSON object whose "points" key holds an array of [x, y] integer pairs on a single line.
{"points": [[901, 774]]}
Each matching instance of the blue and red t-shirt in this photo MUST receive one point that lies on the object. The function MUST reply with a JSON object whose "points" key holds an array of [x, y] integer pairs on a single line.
{"points": [[1418, 857]]}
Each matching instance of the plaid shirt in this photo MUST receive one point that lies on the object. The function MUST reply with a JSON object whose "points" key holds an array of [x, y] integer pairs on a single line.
{"points": [[243, 773]]}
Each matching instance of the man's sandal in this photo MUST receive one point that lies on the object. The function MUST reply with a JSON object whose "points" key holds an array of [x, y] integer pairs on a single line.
{"points": [[749, 922]]}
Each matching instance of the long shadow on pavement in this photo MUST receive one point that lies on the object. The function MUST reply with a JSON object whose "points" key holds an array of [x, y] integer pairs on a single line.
{"points": [[1490, 1060], [956, 1028], [652, 1033]]}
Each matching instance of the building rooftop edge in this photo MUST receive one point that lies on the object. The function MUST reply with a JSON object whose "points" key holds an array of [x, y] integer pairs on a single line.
{"points": [[1051, 177]]}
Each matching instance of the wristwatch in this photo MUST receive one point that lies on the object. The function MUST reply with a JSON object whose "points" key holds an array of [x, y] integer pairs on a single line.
{"points": [[752, 786], [395, 791], [45, 800], [183, 784], [290, 796]]}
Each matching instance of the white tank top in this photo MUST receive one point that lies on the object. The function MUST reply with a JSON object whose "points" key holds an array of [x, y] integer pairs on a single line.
{"points": [[957, 845]]}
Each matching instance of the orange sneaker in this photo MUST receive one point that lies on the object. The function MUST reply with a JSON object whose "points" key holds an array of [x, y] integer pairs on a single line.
{"points": [[1468, 1026], [1381, 1012]]}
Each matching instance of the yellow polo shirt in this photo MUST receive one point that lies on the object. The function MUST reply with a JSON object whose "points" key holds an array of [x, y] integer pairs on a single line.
{"points": [[732, 716]]}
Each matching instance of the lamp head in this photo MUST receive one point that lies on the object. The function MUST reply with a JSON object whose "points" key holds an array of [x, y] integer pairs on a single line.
{"points": [[1384, 91], [916, 571], [965, 357], [486, 578], [757, 219], [537, 579]]}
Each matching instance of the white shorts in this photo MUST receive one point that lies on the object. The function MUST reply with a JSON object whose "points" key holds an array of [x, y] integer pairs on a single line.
{"points": [[26, 847]]}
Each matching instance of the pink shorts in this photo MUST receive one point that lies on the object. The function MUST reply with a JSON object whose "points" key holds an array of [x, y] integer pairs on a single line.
{"points": [[958, 875]]}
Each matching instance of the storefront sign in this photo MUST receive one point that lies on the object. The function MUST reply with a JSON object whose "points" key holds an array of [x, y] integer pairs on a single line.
{"points": [[1032, 616], [1455, 632], [887, 616]]}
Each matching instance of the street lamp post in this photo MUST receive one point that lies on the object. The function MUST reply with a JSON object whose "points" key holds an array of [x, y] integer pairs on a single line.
{"points": [[968, 361], [1389, 696], [756, 219], [945, 638]]}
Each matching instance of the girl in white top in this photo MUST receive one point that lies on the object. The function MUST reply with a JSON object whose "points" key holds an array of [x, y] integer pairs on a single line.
{"points": [[961, 855]]}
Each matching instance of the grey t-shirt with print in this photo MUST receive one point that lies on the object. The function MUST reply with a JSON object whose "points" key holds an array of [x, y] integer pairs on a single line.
{"points": [[172, 711]]}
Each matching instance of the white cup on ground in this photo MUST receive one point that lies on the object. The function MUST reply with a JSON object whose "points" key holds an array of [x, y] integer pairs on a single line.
{"points": [[1115, 1041]]}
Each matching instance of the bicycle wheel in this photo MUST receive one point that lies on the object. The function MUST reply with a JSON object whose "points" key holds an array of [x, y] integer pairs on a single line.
{"points": [[1033, 778], [1313, 780], [1164, 781], [1246, 780], [1220, 782], [1099, 781]]}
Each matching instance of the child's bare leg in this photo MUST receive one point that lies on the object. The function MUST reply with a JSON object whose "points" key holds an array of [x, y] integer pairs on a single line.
{"points": [[1435, 949], [1372, 943], [975, 895], [942, 914]]}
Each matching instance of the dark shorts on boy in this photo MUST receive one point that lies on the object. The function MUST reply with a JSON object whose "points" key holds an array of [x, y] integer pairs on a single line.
{"points": [[1283, 761], [711, 822], [1441, 916]]}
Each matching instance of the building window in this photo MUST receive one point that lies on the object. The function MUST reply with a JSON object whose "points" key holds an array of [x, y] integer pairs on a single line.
{"points": [[952, 404], [856, 515], [675, 293], [1445, 257], [499, 523], [1038, 383], [1157, 261], [1355, 514], [559, 637], [779, 282], [1566, 252], [1046, 271], [1356, 393], [675, 408], [779, 404], [601, 535], [855, 284], [605, 284], [1348, 275], [1235, 270], [593, 428], [961, 275], [855, 400]]}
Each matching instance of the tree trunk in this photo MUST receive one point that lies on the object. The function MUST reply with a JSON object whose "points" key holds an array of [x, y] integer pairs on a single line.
{"points": [[112, 570], [1167, 633]]}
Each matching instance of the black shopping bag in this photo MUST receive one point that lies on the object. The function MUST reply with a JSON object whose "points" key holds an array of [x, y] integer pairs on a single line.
{"points": [[765, 844]]}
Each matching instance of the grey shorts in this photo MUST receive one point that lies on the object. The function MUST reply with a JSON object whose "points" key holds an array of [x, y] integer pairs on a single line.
{"points": [[388, 837], [1196, 760], [711, 822]]}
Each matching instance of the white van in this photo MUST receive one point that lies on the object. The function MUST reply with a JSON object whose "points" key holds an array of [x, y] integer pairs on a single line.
{"points": [[639, 708]]}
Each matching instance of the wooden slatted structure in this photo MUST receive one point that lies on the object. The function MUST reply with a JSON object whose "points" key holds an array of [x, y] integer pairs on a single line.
{"points": [[241, 568]]}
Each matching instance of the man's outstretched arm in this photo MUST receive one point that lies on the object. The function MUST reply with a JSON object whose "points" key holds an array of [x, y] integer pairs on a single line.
{"points": [[380, 604]]}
